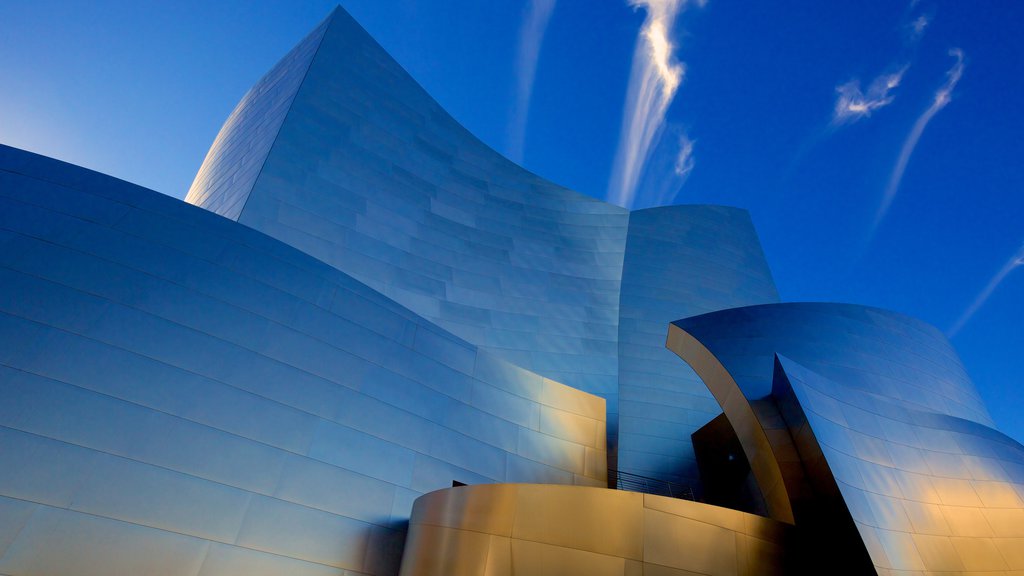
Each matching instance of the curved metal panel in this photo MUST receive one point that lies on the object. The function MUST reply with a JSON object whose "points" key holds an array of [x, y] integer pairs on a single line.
{"points": [[927, 491], [399, 307], [370, 175], [680, 261], [174, 385], [886, 425], [534, 530], [237, 155], [873, 350], [750, 432]]}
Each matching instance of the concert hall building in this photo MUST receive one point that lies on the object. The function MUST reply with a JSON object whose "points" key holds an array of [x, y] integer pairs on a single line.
{"points": [[368, 344]]}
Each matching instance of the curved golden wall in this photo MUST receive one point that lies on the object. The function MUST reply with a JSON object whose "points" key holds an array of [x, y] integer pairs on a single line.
{"points": [[542, 530]]}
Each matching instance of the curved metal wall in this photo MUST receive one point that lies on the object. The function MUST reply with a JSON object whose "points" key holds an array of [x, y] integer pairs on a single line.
{"points": [[680, 261], [928, 492], [873, 350], [236, 157], [539, 530], [370, 175], [877, 411], [180, 394]]}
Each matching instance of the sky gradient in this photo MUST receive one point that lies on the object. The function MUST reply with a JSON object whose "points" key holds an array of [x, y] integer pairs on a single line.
{"points": [[877, 144]]}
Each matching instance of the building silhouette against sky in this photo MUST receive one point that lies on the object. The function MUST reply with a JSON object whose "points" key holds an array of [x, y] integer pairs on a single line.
{"points": [[361, 305]]}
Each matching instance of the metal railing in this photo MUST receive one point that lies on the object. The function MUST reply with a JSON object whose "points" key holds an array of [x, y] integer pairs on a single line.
{"points": [[636, 483]]}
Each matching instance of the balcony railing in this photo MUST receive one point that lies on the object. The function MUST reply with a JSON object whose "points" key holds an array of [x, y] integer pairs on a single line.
{"points": [[637, 483]]}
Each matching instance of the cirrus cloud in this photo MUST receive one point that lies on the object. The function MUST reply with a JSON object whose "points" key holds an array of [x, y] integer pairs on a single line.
{"points": [[942, 97], [1015, 261], [853, 104], [655, 76], [531, 36]]}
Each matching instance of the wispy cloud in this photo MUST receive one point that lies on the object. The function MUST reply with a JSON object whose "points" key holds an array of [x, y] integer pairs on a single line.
{"points": [[654, 79], [942, 97], [670, 164], [1015, 261], [531, 36], [853, 104], [684, 159], [918, 26]]}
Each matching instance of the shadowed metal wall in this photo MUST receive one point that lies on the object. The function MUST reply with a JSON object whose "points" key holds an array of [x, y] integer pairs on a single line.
{"points": [[180, 394], [538, 530], [680, 261], [882, 416]]}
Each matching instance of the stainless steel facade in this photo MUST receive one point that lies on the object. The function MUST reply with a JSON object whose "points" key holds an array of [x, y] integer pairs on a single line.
{"points": [[235, 160], [369, 174], [928, 492], [873, 350], [872, 411], [365, 304], [680, 261], [180, 394]]}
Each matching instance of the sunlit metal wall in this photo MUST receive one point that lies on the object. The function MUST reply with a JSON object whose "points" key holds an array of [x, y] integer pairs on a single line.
{"points": [[535, 530], [180, 394], [369, 174], [928, 492], [236, 157], [879, 410], [680, 261]]}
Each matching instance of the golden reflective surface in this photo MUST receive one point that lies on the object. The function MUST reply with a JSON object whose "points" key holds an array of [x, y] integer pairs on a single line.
{"points": [[549, 530]]}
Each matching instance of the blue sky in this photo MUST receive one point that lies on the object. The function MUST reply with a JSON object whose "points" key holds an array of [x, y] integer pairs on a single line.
{"points": [[877, 144]]}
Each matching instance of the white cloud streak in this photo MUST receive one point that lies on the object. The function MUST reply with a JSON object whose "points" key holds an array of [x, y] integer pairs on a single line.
{"points": [[1017, 260], [684, 159], [653, 81], [853, 104], [670, 164], [531, 36], [942, 97]]}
